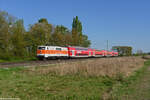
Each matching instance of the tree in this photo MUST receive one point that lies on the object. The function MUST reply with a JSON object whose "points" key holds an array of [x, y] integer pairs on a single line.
{"points": [[86, 42], [75, 37], [79, 39], [77, 25], [43, 20], [68, 39], [58, 37], [77, 31], [5, 34], [61, 29], [17, 38], [39, 34]]}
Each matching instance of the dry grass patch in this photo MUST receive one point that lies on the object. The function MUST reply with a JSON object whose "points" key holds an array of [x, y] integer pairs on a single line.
{"points": [[95, 67]]}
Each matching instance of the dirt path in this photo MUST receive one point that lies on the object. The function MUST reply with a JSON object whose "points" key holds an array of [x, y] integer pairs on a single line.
{"points": [[141, 89]]}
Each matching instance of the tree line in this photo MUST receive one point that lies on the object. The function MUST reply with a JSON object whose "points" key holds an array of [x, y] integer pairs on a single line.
{"points": [[123, 50], [17, 42]]}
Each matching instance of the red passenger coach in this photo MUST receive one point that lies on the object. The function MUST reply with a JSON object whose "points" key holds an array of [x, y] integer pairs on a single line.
{"points": [[80, 52], [105, 53], [110, 53], [99, 53]]}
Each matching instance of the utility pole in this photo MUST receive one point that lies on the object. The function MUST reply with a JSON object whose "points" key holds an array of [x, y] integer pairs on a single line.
{"points": [[107, 45]]}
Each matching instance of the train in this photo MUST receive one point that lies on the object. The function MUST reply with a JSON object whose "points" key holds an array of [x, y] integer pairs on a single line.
{"points": [[51, 52]]}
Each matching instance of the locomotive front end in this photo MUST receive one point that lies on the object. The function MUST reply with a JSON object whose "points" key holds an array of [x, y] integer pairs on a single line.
{"points": [[41, 52]]}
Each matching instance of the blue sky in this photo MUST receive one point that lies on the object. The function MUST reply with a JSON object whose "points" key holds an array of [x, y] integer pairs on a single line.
{"points": [[122, 22]]}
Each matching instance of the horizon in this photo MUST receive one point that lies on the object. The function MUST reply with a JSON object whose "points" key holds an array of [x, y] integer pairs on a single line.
{"points": [[122, 23]]}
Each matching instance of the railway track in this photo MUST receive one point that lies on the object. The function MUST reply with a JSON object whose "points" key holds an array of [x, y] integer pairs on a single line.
{"points": [[41, 63], [30, 63]]}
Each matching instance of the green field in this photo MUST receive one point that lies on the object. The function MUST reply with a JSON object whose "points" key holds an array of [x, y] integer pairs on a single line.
{"points": [[16, 82], [136, 87], [29, 85]]}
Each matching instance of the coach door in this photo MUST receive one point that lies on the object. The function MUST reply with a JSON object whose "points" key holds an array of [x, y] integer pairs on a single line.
{"points": [[73, 52], [89, 53], [93, 53]]}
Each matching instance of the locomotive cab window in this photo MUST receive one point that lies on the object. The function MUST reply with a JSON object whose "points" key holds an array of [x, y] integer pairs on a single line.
{"points": [[58, 49], [41, 48]]}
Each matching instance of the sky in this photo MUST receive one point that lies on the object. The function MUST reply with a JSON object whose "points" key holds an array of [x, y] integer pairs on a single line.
{"points": [[121, 22]]}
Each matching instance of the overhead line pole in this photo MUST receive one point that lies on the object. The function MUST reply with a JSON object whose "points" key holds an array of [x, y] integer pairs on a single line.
{"points": [[107, 45]]}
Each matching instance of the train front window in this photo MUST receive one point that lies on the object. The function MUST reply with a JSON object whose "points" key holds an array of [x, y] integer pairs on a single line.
{"points": [[41, 48]]}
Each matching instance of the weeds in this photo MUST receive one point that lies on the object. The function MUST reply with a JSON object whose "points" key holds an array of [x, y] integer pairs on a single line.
{"points": [[100, 67], [125, 89]]}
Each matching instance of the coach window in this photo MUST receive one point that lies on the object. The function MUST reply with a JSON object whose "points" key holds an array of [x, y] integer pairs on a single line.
{"points": [[58, 49]]}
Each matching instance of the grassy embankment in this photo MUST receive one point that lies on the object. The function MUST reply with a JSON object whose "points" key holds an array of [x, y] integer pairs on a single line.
{"points": [[94, 79], [135, 87]]}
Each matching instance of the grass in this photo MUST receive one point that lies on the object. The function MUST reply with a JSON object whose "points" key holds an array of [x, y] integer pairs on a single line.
{"points": [[73, 81], [17, 83], [135, 87]]}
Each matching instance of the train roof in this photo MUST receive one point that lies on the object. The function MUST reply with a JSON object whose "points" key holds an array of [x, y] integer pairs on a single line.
{"points": [[51, 46]]}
